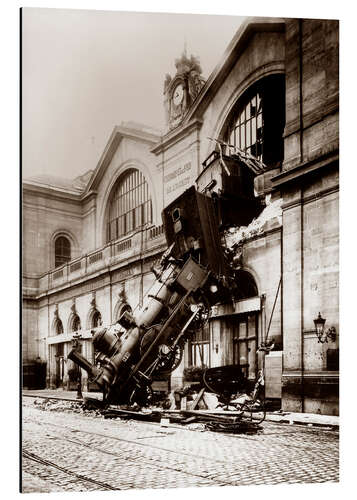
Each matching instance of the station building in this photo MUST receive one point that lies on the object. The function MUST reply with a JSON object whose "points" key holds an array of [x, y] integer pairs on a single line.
{"points": [[90, 243]]}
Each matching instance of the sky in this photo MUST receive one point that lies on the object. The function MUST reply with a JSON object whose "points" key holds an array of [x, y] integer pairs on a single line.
{"points": [[86, 71]]}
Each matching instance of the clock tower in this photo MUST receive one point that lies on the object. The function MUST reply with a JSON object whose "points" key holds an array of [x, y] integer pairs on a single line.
{"points": [[181, 90]]}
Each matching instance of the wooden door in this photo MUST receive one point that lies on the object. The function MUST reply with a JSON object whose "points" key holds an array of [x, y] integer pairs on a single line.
{"points": [[245, 334]]}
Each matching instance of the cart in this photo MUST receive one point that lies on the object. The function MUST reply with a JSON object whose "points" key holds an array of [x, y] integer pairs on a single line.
{"points": [[236, 392]]}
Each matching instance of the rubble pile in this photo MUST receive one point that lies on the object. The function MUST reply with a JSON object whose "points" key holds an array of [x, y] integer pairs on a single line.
{"points": [[209, 415], [65, 406], [234, 236]]}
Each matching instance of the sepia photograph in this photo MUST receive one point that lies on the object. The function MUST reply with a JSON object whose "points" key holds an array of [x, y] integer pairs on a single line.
{"points": [[180, 250]]}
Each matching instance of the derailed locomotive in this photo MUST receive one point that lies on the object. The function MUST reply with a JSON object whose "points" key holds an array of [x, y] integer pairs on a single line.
{"points": [[193, 274]]}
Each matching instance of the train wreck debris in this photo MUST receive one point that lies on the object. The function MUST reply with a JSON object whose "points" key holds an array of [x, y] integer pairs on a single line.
{"points": [[236, 235], [193, 275], [234, 406], [196, 272]]}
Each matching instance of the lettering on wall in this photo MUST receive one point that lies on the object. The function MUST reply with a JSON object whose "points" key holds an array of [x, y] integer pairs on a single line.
{"points": [[76, 291], [179, 178], [123, 273]]}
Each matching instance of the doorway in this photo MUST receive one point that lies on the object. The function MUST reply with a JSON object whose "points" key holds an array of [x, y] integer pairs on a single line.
{"points": [[59, 364], [244, 336]]}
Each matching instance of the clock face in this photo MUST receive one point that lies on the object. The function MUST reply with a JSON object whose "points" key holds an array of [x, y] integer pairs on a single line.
{"points": [[178, 94]]}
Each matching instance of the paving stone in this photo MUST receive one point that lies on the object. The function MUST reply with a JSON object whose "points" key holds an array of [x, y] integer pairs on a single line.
{"points": [[131, 454]]}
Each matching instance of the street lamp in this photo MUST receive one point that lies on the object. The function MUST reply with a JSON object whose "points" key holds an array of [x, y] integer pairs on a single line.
{"points": [[322, 335], [76, 344]]}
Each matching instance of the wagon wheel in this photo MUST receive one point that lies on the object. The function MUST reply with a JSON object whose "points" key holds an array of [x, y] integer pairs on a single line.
{"points": [[245, 411], [259, 412]]}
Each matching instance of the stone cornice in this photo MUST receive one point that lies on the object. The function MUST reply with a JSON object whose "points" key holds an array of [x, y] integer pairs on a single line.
{"points": [[310, 374], [219, 74], [59, 193], [230, 57], [87, 196], [305, 168], [119, 132], [51, 192], [176, 135]]}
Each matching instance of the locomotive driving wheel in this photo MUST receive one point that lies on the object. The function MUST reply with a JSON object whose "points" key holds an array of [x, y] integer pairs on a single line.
{"points": [[141, 395], [165, 355], [202, 316], [169, 358]]}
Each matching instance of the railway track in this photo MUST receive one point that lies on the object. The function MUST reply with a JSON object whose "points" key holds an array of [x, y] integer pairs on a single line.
{"points": [[125, 456], [86, 454], [36, 458]]}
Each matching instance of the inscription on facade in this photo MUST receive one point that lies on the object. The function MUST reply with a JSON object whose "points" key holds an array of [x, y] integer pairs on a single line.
{"points": [[125, 273], [78, 290], [177, 179]]}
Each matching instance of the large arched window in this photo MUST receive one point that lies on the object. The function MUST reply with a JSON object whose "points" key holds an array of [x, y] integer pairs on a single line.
{"points": [[256, 124], [62, 251], [130, 205]]}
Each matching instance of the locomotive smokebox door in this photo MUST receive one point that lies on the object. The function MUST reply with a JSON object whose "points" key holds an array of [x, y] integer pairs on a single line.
{"points": [[191, 223]]}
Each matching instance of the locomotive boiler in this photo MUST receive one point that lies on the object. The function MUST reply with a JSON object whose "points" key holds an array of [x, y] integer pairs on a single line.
{"points": [[192, 276]]}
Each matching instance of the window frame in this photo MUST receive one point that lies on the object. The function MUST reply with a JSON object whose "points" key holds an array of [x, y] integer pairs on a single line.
{"points": [[96, 314], [130, 205], [58, 327], [271, 89], [200, 344], [62, 258], [76, 320], [244, 120]]}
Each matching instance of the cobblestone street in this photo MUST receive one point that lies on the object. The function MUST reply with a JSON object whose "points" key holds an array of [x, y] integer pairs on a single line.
{"points": [[72, 452]]}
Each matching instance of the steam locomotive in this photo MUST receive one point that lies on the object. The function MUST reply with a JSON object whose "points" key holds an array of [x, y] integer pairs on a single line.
{"points": [[193, 274]]}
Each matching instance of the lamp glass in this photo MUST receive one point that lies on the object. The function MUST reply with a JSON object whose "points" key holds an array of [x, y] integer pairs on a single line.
{"points": [[319, 325]]}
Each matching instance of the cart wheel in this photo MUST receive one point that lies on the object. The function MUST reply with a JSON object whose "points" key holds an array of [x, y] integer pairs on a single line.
{"points": [[246, 412]]}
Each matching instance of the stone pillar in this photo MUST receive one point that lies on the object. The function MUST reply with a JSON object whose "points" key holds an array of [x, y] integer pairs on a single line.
{"points": [[292, 361]]}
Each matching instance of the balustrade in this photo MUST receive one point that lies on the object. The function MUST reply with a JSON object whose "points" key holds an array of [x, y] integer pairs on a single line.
{"points": [[110, 254]]}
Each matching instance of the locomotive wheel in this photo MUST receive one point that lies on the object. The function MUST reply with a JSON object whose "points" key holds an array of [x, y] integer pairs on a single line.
{"points": [[169, 358], [166, 358], [201, 318], [141, 395]]}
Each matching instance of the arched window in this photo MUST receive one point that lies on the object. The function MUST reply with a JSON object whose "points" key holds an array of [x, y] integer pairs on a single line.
{"points": [[130, 205], [120, 308], [256, 124], [96, 319], [76, 323], [58, 327], [247, 287], [62, 251]]}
